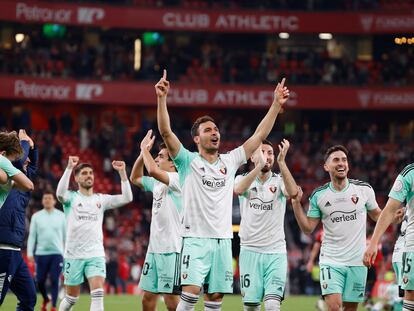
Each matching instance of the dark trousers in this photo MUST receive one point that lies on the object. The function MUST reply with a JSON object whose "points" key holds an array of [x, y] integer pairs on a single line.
{"points": [[15, 275], [49, 265]]}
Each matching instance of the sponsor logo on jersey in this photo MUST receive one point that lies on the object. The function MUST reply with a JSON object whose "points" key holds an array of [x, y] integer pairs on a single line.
{"points": [[212, 182], [328, 204], [258, 204], [87, 216], [354, 199], [341, 216]]}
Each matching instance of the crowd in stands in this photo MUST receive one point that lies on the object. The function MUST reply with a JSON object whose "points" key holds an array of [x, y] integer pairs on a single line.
{"points": [[305, 5], [210, 59], [373, 158]]}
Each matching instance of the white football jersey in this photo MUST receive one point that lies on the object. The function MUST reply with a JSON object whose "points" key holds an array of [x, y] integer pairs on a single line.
{"points": [[165, 235], [262, 209], [344, 217], [208, 192]]}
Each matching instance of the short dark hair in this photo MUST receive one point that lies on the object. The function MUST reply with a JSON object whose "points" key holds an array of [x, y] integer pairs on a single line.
{"points": [[10, 143], [333, 149], [164, 146], [81, 166], [267, 142], [48, 192], [196, 125]]}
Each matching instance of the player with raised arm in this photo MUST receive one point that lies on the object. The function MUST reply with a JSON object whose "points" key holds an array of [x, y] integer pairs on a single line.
{"points": [[14, 273], [263, 259], [45, 245], [402, 191], [11, 150], [161, 270], [342, 205], [207, 181], [84, 210]]}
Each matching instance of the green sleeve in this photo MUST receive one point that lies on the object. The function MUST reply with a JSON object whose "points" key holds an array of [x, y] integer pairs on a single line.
{"points": [[182, 161], [314, 210], [401, 190], [8, 167], [148, 183], [67, 205]]}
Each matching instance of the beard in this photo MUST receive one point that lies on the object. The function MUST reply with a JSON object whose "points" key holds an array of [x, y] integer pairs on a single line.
{"points": [[266, 168], [86, 185]]}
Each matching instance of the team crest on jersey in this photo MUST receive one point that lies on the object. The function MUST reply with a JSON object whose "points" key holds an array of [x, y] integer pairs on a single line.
{"points": [[354, 198], [325, 286], [405, 280], [223, 170], [98, 205], [184, 276], [272, 189]]}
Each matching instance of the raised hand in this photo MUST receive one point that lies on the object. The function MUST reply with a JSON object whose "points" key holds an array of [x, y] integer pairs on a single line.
{"points": [[73, 161], [118, 165], [281, 93], [258, 158], [283, 149], [23, 136], [148, 141], [163, 86]]}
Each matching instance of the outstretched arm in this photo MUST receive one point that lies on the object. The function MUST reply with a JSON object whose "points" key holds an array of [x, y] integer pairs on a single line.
{"points": [[150, 165], [126, 196], [137, 171], [266, 125], [163, 118], [245, 182], [384, 221], [63, 185], [306, 224], [288, 180]]}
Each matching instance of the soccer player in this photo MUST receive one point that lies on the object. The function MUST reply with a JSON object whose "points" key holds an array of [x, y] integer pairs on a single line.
{"points": [[342, 205], [47, 234], [402, 190], [263, 260], [14, 273], [207, 181], [11, 150], [161, 270], [84, 210]]}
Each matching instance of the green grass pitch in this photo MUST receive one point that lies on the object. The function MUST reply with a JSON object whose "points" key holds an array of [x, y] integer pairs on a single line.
{"points": [[129, 302]]}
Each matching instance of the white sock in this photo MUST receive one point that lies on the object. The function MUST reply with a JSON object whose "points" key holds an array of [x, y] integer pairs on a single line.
{"points": [[187, 302], [97, 299], [251, 306], [212, 305], [408, 305], [272, 302], [67, 303]]}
